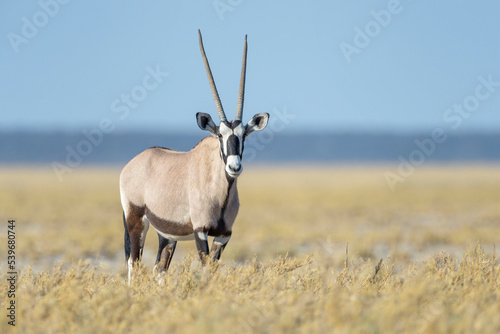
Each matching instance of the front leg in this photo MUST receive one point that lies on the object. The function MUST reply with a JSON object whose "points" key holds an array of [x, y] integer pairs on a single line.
{"points": [[201, 244], [219, 244]]}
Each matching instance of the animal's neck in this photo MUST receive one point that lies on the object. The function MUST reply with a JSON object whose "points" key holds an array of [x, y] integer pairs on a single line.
{"points": [[220, 168], [214, 165]]}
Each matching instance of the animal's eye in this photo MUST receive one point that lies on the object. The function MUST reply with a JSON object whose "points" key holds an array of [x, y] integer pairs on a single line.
{"points": [[220, 136]]}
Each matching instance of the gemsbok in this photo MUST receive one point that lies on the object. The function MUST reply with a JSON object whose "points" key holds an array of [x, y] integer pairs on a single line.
{"points": [[188, 195]]}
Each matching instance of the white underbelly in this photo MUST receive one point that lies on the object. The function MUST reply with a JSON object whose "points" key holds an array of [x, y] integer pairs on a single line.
{"points": [[176, 237]]}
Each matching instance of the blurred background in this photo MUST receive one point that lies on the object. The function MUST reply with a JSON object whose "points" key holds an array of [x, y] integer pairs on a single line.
{"points": [[97, 82], [383, 132], [381, 154]]}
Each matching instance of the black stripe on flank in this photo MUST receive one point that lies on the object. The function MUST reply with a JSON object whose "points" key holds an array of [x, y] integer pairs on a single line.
{"points": [[220, 228], [168, 226]]}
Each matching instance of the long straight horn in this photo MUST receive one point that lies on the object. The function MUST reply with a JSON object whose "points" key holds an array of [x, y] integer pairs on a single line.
{"points": [[218, 104], [241, 96]]}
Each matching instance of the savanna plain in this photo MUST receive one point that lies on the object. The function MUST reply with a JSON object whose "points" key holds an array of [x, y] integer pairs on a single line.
{"points": [[314, 250]]}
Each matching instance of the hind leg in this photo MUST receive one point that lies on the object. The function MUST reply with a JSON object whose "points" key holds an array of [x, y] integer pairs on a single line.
{"points": [[166, 249], [137, 229], [126, 239]]}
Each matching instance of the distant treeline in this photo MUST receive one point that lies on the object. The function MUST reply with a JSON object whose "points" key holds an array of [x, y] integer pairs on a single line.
{"points": [[118, 148]]}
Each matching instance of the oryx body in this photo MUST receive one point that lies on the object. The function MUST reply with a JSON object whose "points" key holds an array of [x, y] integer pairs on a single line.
{"points": [[188, 195]]}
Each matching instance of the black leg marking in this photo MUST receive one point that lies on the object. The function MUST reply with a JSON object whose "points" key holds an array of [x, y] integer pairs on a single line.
{"points": [[126, 239], [217, 251], [218, 246], [201, 244], [166, 249], [162, 243], [134, 228]]}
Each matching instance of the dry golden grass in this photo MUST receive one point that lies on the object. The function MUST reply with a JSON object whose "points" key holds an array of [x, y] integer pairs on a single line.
{"points": [[285, 268]]}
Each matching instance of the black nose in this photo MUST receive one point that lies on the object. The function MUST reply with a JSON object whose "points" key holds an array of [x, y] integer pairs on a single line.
{"points": [[235, 170]]}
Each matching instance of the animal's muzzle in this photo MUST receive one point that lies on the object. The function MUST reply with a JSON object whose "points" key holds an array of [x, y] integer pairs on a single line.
{"points": [[233, 166]]}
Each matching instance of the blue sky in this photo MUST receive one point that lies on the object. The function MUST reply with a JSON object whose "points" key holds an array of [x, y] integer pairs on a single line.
{"points": [[68, 66]]}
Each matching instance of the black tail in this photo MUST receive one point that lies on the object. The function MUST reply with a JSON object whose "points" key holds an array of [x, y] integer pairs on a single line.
{"points": [[126, 239]]}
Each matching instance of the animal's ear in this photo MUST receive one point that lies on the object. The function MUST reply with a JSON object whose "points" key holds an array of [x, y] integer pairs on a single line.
{"points": [[257, 123], [205, 123]]}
